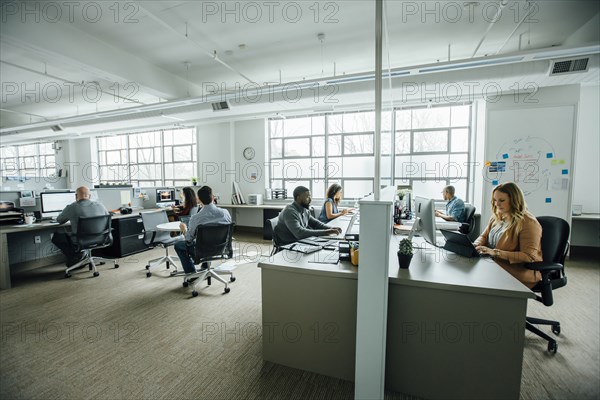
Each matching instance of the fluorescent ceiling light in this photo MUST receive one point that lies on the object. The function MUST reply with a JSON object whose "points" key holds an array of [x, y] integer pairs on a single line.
{"points": [[472, 64], [568, 52], [170, 117]]}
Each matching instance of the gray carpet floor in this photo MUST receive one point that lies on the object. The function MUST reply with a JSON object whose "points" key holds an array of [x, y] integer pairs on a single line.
{"points": [[124, 336]]}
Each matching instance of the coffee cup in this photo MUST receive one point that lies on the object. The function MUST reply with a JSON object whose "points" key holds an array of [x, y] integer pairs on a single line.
{"points": [[29, 219]]}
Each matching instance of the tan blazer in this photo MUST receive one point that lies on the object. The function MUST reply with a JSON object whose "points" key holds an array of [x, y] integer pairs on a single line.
{"points": [[515, 250]]}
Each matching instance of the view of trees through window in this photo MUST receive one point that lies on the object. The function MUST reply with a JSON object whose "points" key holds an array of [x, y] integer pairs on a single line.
{"points": [[157, 158], [28, 160], [426, 148]]}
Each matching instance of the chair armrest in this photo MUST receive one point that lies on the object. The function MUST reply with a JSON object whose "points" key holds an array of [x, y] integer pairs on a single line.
{"points": [[544, 266]]}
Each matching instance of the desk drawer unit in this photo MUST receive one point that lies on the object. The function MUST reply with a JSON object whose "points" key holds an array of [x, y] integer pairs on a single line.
{"points": [[128, 237]]}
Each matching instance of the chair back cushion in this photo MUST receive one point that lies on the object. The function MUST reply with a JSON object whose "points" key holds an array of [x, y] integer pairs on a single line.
{"points": [[212, 242], [274, 221], [93, 232], [469, 214], [555, 236], [150, 221]]}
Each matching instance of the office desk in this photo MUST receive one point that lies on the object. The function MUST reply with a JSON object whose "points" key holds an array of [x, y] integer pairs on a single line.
{"points": [[455, 326], [5, 232], [127, 239], [585, 230], [268, 211]]}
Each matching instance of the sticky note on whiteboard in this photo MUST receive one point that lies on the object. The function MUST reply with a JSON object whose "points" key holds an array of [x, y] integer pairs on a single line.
{"points": [[548, 200], [505, 156], [549, 155], [495, 183], [565, 172]]}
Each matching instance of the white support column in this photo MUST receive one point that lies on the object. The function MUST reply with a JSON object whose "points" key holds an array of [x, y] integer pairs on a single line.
{"points": [[373, 278]]}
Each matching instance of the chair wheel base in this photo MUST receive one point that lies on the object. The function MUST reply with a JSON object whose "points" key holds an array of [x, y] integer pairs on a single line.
{"points": [[556, 329], [194, 294], [148, 266], [67, 275], [96, 274], [148, 274], [227, 290], [552, 347], [186, 284], [232, 279]]}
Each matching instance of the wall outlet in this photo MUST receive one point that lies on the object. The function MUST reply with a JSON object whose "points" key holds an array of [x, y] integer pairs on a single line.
{"points": [[37, 239]]}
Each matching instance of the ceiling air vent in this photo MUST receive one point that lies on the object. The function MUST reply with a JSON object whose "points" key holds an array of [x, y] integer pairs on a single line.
{"points": [[220, 106], [57, 128], [561, 67]]}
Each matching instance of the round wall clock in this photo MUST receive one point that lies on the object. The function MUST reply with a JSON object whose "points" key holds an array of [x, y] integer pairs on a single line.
{"points": [[249, 153]]}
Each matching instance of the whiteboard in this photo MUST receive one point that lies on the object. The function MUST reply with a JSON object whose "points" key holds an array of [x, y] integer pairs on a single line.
{"points": [[532, 147]]}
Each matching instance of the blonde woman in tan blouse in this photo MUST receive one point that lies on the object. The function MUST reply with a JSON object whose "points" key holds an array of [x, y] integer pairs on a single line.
{"points": [[513, 236]]}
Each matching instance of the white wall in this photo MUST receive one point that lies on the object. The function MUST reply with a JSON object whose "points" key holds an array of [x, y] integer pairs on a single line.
{"points": [[586, 185], [216, 158], [511, 123], [82, 171]]}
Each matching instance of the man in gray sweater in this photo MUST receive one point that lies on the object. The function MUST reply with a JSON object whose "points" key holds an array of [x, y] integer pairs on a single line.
{"points": [[296, 222], [83, 207]]}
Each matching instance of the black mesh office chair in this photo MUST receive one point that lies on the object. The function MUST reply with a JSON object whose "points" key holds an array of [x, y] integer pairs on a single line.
{"points": [[213, 242], [154, 238], [469, 213], [555, 244], [276, 246], [92, 233]]}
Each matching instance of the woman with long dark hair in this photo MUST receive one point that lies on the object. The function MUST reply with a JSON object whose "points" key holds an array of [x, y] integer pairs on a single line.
{"points": [[330, 208], [190, 202]]}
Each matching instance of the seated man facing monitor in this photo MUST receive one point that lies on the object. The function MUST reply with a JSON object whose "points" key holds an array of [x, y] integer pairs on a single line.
{"points": [[209, 214], [455, 207], [83, 207], [296, 222]]}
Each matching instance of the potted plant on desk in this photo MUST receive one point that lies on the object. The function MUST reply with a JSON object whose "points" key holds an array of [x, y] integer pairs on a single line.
{"points": [[405, 252], [194, 180]]}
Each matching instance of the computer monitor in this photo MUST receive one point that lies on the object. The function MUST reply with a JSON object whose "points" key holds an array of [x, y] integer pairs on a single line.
{"points": [[165, 196], [54, 202], [425, 214]]}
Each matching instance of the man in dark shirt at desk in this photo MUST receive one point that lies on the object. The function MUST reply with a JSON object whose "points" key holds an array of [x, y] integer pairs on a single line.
{"points": [[296, 222], [83, 207]]}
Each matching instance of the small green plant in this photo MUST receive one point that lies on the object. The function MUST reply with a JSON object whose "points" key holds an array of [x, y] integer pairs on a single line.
{"points": [[405, 247], [194, 180]]}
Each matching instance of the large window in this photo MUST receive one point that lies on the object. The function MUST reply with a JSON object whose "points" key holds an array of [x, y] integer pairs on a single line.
{"points": [[432, 149], [28, 160], [427, 148], [156, 158]]}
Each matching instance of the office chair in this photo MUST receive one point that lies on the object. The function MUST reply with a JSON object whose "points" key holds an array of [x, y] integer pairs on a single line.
{"points": [[276, 246], [213, 242], [555, 244], [154, 237], [92, 233], [469, 213]]}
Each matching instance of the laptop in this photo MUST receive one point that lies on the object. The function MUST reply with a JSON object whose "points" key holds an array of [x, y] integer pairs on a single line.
{"points": [[460, 243]]}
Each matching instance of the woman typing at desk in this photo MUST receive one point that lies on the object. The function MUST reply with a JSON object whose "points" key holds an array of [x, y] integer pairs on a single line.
{"points": [[330, 208], [513, 235]]}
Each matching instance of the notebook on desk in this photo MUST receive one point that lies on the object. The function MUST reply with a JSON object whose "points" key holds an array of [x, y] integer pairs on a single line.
{"points": [[318, 241], [302, 247]]}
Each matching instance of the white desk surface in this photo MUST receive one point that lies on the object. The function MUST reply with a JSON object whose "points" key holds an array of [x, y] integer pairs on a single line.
{"points": [[430, 268], [590, 217], [260, 207], [169, 226]]}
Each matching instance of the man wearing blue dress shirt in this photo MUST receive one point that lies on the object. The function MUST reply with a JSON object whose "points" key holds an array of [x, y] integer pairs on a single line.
{"points": [[208, 214], [455, 207]]}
